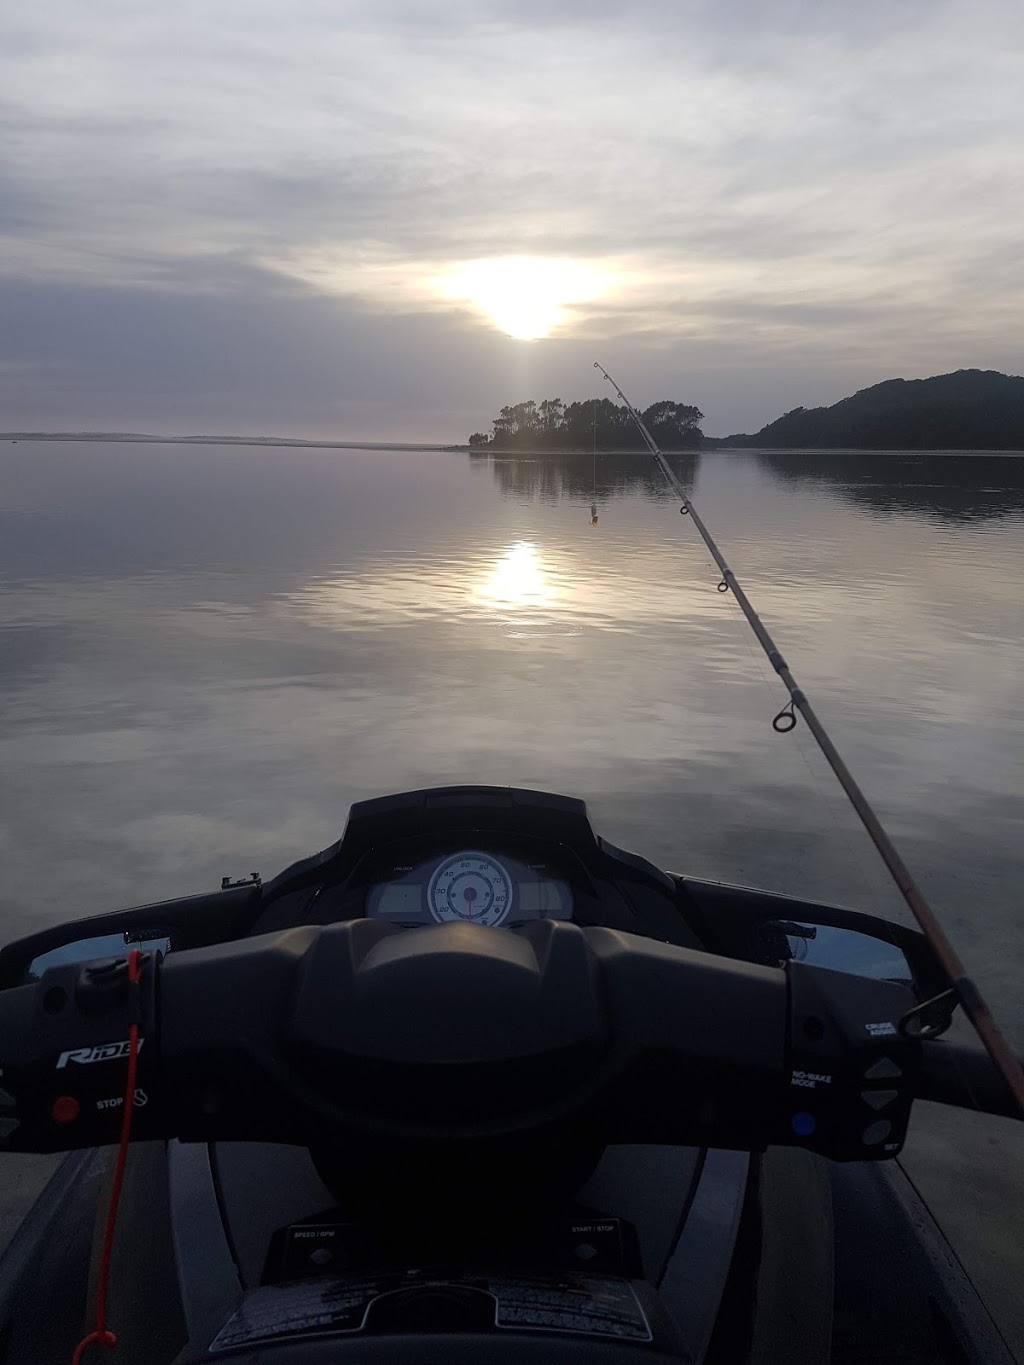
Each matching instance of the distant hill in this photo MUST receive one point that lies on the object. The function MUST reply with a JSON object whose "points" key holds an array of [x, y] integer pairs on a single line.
{"points": [[967, 410]]}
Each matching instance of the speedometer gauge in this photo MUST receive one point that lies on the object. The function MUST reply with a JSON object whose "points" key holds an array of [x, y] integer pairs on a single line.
{"points": [[470, 887]]}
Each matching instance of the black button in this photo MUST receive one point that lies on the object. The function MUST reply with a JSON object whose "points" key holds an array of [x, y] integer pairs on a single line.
{"points": [[878, 1099], [875, 1133], [883, 1070]]}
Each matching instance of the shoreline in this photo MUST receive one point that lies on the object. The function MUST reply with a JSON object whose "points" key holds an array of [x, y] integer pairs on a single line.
{"points": [[299, 443], [139, 438]]}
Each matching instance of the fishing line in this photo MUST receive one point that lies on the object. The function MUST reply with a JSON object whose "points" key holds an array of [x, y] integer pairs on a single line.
{"points": [[963, 988], [593, 496]]}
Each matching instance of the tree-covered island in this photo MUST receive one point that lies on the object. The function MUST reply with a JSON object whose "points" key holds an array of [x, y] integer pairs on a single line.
{"points": [[554, 425]]}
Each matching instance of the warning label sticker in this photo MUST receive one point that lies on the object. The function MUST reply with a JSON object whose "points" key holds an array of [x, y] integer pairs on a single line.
{"points": [[284, 1310], [580, 1305], [585, 1305]]}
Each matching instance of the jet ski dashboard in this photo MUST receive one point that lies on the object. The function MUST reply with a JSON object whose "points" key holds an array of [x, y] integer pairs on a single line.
{"points": [[473, 963], [495, 856]]}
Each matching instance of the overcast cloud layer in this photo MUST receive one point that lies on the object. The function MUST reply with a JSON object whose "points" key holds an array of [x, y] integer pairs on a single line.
{"points": [[239, 216]]}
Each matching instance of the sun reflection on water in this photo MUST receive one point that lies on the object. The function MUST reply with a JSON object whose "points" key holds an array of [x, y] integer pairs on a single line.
{"points": [[527, 590], [518, 580]]}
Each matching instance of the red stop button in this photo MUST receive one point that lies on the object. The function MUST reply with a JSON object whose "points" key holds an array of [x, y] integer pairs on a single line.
{"points": [[65, 1109]]}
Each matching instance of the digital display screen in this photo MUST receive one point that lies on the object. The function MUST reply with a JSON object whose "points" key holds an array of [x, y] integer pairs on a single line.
{"points": [[398, 899], [543, 898], [538, 899]]}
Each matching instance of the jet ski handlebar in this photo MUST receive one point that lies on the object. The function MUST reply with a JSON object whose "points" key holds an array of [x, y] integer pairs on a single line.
{"points": [[455, 1033]]}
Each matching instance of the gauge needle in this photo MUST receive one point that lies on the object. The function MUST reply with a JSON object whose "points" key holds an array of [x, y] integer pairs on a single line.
{"points": [[470, 894]]}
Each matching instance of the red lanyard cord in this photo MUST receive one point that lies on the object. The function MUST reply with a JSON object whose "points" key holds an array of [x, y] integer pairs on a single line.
{"points": [[102, 1336]]}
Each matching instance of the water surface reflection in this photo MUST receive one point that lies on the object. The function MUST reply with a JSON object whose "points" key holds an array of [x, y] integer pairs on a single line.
{"points": [[958, 488], [206, 655]]}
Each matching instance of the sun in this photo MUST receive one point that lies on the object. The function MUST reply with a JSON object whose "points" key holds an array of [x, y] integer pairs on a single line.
{"points": [[524, 296]]}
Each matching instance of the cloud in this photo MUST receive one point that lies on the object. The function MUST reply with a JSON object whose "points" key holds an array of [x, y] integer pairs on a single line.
{"points": [[842, 184]]}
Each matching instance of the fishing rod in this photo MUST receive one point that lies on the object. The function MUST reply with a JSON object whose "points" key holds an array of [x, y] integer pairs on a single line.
{"points": [[962, 988]]}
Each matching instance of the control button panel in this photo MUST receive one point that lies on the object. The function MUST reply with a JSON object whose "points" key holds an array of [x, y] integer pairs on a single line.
{"points": [[883, 1070], [852, 1074]]}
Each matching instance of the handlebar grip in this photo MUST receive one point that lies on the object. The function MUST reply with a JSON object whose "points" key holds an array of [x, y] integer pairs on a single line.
{"points": [[966, 1077]]}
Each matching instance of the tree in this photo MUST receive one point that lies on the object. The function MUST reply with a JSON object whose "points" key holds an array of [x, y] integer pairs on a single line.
{"points": [[503, 428], [551, 413], [478, 439], [525, 421], [673, 424], [597, 421]]}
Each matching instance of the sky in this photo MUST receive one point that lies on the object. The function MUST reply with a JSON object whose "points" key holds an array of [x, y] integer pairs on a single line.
{"points": [[385, 220]]}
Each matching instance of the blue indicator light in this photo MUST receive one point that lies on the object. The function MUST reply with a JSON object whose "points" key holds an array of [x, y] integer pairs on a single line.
{"points": [[803, 1124]]}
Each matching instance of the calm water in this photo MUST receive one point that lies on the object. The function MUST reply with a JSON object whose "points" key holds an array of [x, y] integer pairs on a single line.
{"points": [[207, 653]]}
